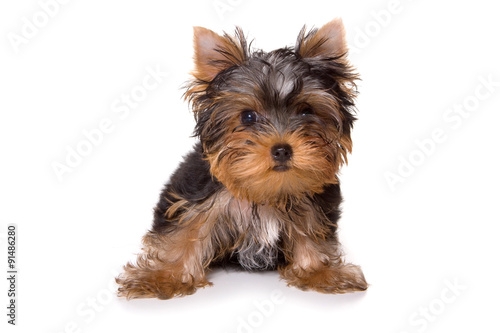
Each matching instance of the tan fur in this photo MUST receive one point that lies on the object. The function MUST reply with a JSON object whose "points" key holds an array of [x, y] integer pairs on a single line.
{"points": [[260, 210], [214, 53], [319, 266], [174, 264], [244, 164], [328, 41]]}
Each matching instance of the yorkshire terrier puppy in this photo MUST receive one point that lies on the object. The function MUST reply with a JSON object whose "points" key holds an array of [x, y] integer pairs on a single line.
{"points": [[261, 188]]}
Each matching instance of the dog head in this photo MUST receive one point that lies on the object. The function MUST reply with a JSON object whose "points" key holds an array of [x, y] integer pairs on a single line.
{"points": [[274, 125]]}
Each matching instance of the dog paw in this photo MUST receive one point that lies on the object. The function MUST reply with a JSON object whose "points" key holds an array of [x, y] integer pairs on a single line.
{"points": [[156, 284], [330, 280]]}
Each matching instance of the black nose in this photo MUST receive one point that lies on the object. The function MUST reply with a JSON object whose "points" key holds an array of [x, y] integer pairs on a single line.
{"points": [[281, 152]]}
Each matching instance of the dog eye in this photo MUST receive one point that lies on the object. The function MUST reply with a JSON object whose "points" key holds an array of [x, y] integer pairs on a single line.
{"points": [[306, 112], [248, 117]]}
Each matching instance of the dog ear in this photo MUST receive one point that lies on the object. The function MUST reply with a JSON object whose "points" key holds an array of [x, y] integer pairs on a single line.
{"points": [[328, 41], [214, 53]]}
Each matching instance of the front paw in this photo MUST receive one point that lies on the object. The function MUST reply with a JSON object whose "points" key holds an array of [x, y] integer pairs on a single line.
{"points": [[341, 279], [137, 283]]}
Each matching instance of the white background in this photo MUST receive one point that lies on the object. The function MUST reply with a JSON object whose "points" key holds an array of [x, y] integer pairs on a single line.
{"points": [[436, 226]]}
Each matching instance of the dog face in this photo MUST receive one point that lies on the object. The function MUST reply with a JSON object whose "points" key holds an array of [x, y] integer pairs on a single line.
{"points": [[274, 125]]}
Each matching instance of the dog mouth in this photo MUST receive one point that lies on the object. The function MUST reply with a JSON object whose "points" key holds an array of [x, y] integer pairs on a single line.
{"points": [[281, 168]]}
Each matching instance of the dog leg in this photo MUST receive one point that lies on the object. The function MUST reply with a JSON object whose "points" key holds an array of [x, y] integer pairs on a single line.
{"points": [[318, 266]]}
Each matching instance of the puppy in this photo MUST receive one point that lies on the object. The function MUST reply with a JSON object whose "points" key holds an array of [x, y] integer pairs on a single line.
{"points": [[260, 189]]}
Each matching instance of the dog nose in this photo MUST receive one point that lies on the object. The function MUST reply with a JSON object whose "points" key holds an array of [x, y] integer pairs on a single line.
{"points": [[281, 152]]}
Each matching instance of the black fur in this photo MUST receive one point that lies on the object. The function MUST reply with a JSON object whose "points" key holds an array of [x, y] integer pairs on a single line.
{"points": [[192, 181], [262, 75], [246, 214]]}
